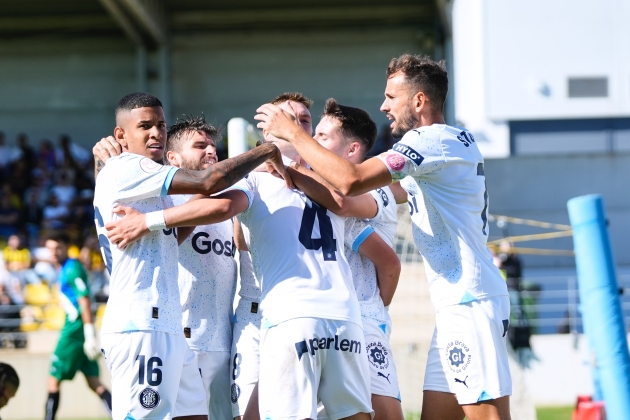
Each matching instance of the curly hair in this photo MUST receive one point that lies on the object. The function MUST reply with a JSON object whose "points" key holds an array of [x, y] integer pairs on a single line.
{"points": [[423, 75], [356, 123], [189, 124]]}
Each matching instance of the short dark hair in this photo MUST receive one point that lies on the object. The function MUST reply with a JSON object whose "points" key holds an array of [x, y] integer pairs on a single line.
{"points": [[8, 375], [292, 96], [187, 125], [423, 75], [137, 100], [58, 236], [355, 123]]}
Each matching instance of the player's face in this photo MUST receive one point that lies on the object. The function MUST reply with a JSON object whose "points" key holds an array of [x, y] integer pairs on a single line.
{"points": [[301, 112], [198, 152], [58, 251], [328, 134], [6, 394], [143, 131], [397, 105]]}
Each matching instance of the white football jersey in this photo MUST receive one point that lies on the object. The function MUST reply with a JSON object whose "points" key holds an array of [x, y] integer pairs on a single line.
{"points": [[143, 285], [448, 202], [207, 284], [363, 270], [250, 286], [297, 252]]}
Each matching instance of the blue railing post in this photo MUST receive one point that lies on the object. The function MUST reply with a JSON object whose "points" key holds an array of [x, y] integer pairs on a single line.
{"points": [[600, 303]]}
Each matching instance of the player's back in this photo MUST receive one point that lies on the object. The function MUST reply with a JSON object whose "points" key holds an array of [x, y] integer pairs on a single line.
{"points": [[143, 276], [297, 252], [448, 204]]}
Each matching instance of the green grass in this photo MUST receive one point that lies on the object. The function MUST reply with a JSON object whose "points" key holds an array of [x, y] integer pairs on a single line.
{"points": [[554, 413], [542, 413]]}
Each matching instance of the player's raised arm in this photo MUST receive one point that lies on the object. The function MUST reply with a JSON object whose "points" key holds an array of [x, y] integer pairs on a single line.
{"points": [[317, 189], [134, 225], [226, 173], [351, 179]]}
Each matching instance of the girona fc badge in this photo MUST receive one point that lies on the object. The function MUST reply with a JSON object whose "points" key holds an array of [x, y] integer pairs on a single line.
{"points": [[395, 161]]}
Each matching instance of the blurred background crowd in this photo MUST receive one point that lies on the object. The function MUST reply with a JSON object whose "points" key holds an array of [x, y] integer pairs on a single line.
{"points": [[43, 188]]}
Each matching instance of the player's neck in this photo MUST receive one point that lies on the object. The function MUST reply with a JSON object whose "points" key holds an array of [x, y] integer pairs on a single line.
{"points": [[425, 120]]}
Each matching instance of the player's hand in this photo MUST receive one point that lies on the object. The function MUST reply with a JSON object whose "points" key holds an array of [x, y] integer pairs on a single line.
{"points": [[106, 148], [90, 345], [275, 166], [127, 230], [276, 121]]}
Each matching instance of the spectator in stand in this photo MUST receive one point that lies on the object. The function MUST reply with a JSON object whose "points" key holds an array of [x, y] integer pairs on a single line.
{"points": [[64, 188], [10, 284], [17, 259], [28, 153], [14, 198], [55, 215], [71, 155], [43, 262], [20, 177], [8, 155], [46, 157], [9, 217], [9, 313]]}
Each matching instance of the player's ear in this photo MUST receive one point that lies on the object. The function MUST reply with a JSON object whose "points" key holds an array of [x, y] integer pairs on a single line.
{"points": [[355, 147], [119, 135], [419, 101], [172, 158]]}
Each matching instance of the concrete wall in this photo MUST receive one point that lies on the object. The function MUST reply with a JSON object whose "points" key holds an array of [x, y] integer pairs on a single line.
{"points": [[56, 85], [538, 188]]}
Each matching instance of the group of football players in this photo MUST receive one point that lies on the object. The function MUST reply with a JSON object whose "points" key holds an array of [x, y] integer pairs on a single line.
{"points": [[313, 222]]}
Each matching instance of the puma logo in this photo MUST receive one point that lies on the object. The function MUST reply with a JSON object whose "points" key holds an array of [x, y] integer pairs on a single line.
{"points": [[459, 381], [386, 377]]}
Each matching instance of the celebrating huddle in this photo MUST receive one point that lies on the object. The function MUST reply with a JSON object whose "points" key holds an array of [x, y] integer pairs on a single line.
{"points": [[314, 224]]}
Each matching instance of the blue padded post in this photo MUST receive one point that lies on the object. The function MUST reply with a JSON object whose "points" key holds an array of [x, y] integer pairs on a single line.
{"points": [[601, 306]]}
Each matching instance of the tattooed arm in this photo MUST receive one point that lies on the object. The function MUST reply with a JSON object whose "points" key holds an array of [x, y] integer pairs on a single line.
{"points": [[227, 172], [98, 165]]}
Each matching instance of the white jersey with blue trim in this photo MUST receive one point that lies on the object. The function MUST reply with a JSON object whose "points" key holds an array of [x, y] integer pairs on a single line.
{"points": [[442, 170], [207, 284], [143, 277], [297, 252], [363, 270]]}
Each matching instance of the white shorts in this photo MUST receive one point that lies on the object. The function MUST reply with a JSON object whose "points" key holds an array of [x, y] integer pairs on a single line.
{"points": [[468, 355], [306, 360], [383, 376], [214, 367], [154, 375], [245, 358]]}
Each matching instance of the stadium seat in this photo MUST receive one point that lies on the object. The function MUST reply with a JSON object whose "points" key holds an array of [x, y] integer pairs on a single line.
{"points": [[31, 318], [37, 294], [54, 317], [54, 294]]}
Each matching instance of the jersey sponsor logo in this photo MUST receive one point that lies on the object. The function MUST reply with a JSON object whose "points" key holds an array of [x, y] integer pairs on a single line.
{"points": [[149, 166], [407, 151], [466, 138], [171, 231], [397, 163], [149, 398], [377, 355], [202, 244], [458, 356], [384, 197], [235, 392], [324, 343]]}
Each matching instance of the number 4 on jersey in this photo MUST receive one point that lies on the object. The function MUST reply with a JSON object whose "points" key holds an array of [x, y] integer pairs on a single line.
{"points": [[327, 241]]}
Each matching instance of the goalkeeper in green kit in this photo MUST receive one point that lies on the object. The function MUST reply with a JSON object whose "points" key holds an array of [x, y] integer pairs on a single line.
{"points": [[77, 348]]}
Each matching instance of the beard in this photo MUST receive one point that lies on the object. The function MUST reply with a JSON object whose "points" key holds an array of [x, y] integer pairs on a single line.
{"points": [[406, 122], [193, 165]]}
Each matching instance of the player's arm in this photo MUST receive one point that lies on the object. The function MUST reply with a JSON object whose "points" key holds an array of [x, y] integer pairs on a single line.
{"points": [[226, 173], [349, 178], [399, 194], [106, 148], [134, 225], [386, 263], [363, 206], [239, 237]]}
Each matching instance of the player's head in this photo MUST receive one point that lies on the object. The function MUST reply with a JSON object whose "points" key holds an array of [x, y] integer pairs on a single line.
{"points": [[416, 85], [297, 105], [9, 383], [141, 126], [58, 243], [191, 144], [346, 131]]}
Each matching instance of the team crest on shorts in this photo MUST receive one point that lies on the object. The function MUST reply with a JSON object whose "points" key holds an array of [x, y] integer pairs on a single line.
{"points": [[149, 398], [458, 356], [235, 392], [377, 355]]}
